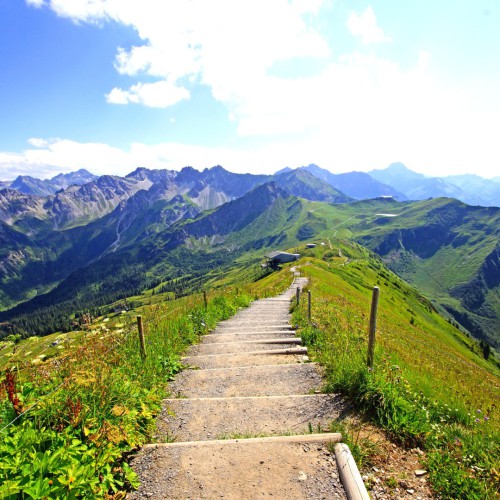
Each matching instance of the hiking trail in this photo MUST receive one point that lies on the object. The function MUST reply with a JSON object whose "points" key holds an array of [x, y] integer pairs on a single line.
{"points": [[247, 420]]}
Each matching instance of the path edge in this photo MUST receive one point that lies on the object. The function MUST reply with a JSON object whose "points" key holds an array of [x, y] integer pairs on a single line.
{"points": [[350, 477]]}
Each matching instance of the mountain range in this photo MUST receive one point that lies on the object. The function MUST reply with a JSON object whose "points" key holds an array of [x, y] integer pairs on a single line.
{"points": [[90, 244], [470, 189]]}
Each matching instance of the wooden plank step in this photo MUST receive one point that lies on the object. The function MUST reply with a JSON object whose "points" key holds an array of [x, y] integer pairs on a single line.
{"points": [[248, 336], [241, 347]]}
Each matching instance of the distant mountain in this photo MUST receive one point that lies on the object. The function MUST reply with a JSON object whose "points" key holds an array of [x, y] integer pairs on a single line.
{"points": [[31, 185], [357, 185], [470, 189], [447, 249], [81, 224], [25, 212], [414, 185], [211, 188], [265, 216], [477, 190], [283, 171], [305, 184], [78, 178]]}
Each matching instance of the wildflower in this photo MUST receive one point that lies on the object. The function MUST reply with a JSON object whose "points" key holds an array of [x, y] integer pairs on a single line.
{"points": [[477, 420], [478, 411], [486, 418]]}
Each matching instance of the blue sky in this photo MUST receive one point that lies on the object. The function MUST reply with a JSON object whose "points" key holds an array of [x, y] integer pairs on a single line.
{"points": [[110, 85]]}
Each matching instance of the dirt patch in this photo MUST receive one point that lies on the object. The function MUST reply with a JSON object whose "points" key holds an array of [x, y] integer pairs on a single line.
{"points": [[390, 472]]}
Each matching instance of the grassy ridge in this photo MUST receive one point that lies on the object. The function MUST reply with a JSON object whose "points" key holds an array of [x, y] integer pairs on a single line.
{"points": [[428, 388], [67, 422]]}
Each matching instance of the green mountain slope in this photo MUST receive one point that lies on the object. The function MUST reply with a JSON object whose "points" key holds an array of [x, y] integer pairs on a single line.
{"points": [[82, 224], [447, 249], [188, 248]]}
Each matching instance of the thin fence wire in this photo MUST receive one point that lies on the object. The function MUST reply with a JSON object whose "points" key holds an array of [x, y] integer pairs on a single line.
{"points": [[62, 359], [33, 405]]}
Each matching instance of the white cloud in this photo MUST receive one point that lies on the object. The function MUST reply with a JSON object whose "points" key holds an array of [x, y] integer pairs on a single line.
{"points": [[35, 3], [82, 10], [225, 44], [365, 26], [357, 111], [161, 94], [37, 142]]}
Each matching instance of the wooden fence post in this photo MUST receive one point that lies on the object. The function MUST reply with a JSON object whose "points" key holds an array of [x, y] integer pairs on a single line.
{"points": [[298, 295], [205, 300], [309, 304], [141, 337], [373, 326]]}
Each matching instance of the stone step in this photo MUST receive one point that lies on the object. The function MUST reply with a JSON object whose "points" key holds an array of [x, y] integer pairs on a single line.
{"points": [[243, 347], [201, 419], [254, 322], [255, 358], [256, 317], [265, 380], [214, 338], [297, 467]]}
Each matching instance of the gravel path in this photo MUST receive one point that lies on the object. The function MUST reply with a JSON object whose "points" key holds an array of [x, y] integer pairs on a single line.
{"points": [[251, 378]]}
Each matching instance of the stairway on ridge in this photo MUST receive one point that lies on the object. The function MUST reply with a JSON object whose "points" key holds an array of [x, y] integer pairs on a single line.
{"points": [[245, 418]]}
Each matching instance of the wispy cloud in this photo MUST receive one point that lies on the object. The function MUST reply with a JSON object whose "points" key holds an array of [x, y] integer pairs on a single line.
{"points": [[365, 27], [35, 3], [160, 94]]}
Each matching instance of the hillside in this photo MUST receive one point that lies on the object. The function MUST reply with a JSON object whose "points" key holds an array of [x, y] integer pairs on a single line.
{"points": [[445, 248], [449, 251], [430, 383], [264, 218], [430, 387], [82, 224]]}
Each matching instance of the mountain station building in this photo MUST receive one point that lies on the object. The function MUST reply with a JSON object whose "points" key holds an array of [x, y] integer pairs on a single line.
{"points": [[274, 259]]}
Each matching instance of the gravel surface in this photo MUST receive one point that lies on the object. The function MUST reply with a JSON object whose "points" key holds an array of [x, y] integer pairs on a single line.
{"points": [[233, 360], [201, 419], [237, 472], [273, 380]]}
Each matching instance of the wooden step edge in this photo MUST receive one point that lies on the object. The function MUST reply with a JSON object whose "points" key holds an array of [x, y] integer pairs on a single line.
{"points": [[292, 340], [249, 324], [274, 332], [292, 350], [250, 367], [330, 437], [349, 473]]}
